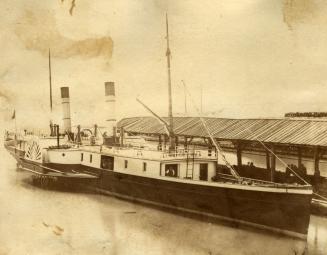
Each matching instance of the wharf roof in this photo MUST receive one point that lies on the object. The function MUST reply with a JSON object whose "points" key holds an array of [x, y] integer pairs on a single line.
{"points": [[306, 132]]}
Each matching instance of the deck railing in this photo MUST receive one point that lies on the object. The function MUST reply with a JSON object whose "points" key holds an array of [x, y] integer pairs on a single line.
{"points": [[155, 154], [251, 181]]}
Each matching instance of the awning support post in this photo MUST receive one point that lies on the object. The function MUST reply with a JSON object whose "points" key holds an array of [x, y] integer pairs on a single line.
{"points": [[176, 141], [160, 143], [185, 142], [273, 164], [316, 165], [299, 159], [268, 160], [239, 155]]}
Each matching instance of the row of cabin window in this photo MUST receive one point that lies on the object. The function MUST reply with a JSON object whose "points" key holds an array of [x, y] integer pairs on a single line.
{"points": [[126, 165], [170, 169], [82, 157], [125, 162]]}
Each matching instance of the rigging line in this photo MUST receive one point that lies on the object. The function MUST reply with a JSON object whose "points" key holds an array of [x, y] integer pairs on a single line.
{"points": [[234, 172], [220, 150], [325, 198], [282, 161], [100, 132], [166, 125]]}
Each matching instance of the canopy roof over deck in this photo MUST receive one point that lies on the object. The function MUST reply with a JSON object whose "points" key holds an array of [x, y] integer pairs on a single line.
{"points": [[304, 132]]}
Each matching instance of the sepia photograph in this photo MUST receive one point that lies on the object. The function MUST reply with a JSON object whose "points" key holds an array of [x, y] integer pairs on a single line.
{"points": [[163, 127]]}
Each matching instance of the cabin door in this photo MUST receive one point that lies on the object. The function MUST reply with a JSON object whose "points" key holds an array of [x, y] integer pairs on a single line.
{"points": [[107, 162], [203, 172], [171, 170]]}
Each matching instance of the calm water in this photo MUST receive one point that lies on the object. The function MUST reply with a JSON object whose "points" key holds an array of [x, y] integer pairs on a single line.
{"points": [[37, 221]]}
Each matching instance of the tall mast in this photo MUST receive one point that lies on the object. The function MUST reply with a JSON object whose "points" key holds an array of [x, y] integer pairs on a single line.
{"points": [[201, 98], [50, 81], [170, 109], [185, 98], [52, 128]]}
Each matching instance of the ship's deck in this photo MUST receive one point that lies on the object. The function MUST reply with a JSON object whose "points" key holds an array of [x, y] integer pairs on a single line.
{"points": [[145, 153]]}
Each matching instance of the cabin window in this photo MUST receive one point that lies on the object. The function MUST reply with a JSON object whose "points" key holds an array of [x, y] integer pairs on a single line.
{"points": [[144, 166], [82, 156], [171, 170], [203, 172], [107, 162], [210, 152], [126, 163], [91, 158], [63, 154]]}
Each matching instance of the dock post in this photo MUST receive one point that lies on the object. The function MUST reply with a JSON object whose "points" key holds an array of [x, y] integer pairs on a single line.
{"points": [[239, 155], [299, 159], [176, 141], [273, 164], [268, 162], [185, 142], [316, 165]]}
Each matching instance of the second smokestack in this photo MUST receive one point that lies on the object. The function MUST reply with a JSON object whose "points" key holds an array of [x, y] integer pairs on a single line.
{"points": [[66, 109], [110, 99]]}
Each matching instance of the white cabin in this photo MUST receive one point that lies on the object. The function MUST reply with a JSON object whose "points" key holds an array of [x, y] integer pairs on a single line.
{"points": [[196, 165]]}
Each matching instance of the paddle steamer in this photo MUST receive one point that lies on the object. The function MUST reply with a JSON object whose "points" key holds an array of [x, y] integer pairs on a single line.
{"points": [[179, 178]]}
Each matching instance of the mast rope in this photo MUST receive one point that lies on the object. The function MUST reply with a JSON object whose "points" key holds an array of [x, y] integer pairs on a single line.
{"points": [[325, 198], [282, 161], [233, 171], [218, 147]]}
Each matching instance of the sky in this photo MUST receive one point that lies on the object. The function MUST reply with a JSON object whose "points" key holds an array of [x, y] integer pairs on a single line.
{"points": [[250, 58]]}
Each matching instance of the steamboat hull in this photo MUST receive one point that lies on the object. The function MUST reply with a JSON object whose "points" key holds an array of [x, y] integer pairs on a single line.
{"points": [[287, 213]]}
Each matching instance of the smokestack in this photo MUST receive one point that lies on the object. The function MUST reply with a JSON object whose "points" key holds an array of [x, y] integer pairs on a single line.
{"points": [[66, 109], [110, 99]]}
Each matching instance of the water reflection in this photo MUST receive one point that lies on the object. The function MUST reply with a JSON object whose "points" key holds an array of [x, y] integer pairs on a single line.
{"points": [[317, 238], [37, 221]]}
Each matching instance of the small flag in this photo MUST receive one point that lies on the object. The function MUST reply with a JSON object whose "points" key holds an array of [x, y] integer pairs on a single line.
{"points": [[13, 115]]}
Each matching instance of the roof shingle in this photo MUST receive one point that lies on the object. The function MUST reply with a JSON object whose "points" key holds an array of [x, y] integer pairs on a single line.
{"points": [[310, 132]]}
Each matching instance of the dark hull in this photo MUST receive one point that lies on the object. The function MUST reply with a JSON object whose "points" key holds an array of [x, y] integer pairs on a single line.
{"points": [[286, 213]]}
